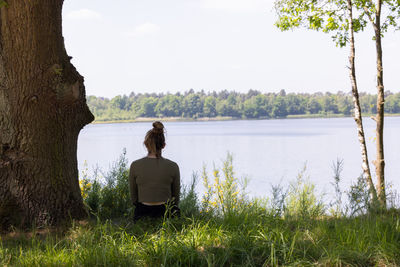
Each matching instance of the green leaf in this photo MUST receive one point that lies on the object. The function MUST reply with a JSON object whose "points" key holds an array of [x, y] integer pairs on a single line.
{"points": [[58, 71], [3, 3]]}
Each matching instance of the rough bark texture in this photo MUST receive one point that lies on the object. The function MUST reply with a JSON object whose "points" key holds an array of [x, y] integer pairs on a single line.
{"points": [[380, 159], [357, 107], [42, 109]]}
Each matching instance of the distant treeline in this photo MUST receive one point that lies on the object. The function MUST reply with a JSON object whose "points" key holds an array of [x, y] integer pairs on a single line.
{"points": [[251, 105]]}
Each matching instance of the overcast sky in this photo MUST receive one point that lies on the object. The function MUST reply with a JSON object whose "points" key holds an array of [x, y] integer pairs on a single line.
{"points": [[122, 46]]}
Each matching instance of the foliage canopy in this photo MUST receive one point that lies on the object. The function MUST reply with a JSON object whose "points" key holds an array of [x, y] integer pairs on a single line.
{"points": [[329, 16]]}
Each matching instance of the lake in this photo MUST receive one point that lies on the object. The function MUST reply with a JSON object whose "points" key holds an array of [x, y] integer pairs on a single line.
{"points": [[268, 152]]}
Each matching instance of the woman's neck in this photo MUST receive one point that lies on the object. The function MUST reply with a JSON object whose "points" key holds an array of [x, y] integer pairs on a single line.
{"points": [[152, 155]]}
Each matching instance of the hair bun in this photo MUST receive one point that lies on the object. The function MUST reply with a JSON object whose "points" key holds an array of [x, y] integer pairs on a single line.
{"points": [[158, 127]]}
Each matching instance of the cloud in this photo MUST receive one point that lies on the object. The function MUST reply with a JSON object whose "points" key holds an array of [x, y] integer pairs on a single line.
{"points": [[239, 5], [144, 29], [83, 14]]}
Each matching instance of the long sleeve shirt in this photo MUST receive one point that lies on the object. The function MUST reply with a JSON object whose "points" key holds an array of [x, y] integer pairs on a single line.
{"points": [[154, 180]]}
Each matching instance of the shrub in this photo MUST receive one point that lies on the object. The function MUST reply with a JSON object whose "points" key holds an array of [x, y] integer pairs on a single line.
{"points": [[359, 197], [337, 203], [189, 203], [277, 202], [115, 195], [302, 201], [109, 198], [223, 196]]}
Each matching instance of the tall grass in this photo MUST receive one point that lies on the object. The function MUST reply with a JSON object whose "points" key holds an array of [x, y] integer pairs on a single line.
{"points": [[221, 228], [302, 201], [107, 195]]}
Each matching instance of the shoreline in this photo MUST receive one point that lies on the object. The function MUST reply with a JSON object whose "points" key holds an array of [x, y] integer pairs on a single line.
{"points": [[204, 119]]}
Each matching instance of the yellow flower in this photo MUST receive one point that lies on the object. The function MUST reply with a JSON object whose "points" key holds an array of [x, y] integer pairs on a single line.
{"points": [[85, 186]]}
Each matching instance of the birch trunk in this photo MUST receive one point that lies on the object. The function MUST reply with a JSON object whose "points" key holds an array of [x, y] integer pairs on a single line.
{"points": [[357, 107], [380, 159]]}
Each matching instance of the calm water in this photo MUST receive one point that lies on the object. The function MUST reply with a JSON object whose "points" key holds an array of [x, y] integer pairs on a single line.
{"points": [[266, 151]]}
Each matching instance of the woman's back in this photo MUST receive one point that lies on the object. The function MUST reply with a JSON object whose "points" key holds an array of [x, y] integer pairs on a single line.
{"points": [[157, 180]]}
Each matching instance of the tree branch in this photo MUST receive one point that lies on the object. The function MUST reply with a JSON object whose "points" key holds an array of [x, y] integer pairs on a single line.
{"points": [[371, 19]]}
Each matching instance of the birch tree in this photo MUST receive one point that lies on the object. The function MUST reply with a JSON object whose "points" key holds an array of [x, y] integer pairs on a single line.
{"points": [[341, 19]]}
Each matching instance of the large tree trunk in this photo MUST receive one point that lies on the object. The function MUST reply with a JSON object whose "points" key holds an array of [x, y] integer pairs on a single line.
{"points": [[42, 110], [380, 159], [357, 107]]}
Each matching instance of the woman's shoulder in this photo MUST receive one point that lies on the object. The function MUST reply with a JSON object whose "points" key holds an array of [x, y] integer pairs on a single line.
{"points": [[138, 161], [170, 162], [153, 161]]}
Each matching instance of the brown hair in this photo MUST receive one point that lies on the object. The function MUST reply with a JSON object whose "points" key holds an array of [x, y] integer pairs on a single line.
{"points": [[155, 139]]}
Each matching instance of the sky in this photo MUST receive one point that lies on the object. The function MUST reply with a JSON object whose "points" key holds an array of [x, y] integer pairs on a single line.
{"points": [[172, 46]]}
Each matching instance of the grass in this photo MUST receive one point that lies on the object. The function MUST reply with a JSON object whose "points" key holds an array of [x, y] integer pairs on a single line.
{"points": [[256, 240], [222, 228]]}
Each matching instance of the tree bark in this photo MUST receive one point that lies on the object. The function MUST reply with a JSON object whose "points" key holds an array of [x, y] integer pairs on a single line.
{"points": [[42, 110], [380, 159], [357, 107]]}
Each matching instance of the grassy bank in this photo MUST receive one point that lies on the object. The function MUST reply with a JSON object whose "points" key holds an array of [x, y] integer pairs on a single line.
{"points": [[222, 227], [151, 119], [175, 119], [312, 116]]}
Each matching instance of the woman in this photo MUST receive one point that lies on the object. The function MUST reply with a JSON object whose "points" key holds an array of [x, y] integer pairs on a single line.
{"points": [[154, 180]]}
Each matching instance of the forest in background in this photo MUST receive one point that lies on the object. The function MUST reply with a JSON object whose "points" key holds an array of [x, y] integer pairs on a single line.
{"points": [[250, 105]]}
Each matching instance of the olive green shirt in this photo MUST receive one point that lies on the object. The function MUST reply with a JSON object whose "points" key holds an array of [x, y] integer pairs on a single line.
{"points": [[154, 180]]}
